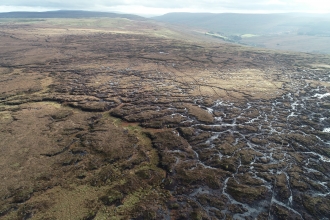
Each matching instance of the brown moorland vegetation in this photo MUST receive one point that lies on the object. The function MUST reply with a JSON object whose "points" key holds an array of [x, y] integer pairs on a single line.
{"points": [[122, 119]]}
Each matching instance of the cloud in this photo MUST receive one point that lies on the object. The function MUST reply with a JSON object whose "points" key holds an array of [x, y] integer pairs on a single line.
{"points": [[5, 8], [161, 6], [276, 2]]}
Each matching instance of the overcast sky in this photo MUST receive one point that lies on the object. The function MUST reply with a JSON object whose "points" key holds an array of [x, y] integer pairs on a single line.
{"points": [[158, 7]]}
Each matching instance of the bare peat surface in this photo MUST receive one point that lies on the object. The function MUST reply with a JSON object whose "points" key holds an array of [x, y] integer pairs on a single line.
{"points": [[108, 125]]}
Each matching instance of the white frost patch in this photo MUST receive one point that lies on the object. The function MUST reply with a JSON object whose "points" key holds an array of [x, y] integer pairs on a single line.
{"points": [[210, 110], [292, 115], [327, 130], [218, 118], [294, 105], [322, 158], [321, 96]]}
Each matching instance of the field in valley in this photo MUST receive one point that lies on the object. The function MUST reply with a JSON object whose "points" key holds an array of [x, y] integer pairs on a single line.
{"points": [[291, 42]]}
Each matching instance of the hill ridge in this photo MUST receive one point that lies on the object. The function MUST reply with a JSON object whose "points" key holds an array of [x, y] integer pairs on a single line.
{"points": [[68, 14]]}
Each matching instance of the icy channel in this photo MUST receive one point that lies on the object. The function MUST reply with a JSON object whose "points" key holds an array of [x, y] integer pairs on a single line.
{"points": [[327, 130], [320, 96]]}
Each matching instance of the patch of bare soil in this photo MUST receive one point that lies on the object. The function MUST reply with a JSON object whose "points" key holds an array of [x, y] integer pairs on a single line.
{"points": [[105, 125]]}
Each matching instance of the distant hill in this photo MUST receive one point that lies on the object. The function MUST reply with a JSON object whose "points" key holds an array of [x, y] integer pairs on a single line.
{"points": [[238, 24], [68, 14]]}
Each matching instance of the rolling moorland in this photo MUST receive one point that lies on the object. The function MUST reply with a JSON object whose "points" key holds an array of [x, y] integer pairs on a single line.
{"points": [[290, 32], [123, 118]]}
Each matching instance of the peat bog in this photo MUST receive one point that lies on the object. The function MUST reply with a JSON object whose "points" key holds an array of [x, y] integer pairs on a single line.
{"points": [[104, 124]]}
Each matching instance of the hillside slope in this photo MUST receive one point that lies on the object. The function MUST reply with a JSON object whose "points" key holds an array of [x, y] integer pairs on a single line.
{"points": [[290, 32], [68, 14], [251, 23]]}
